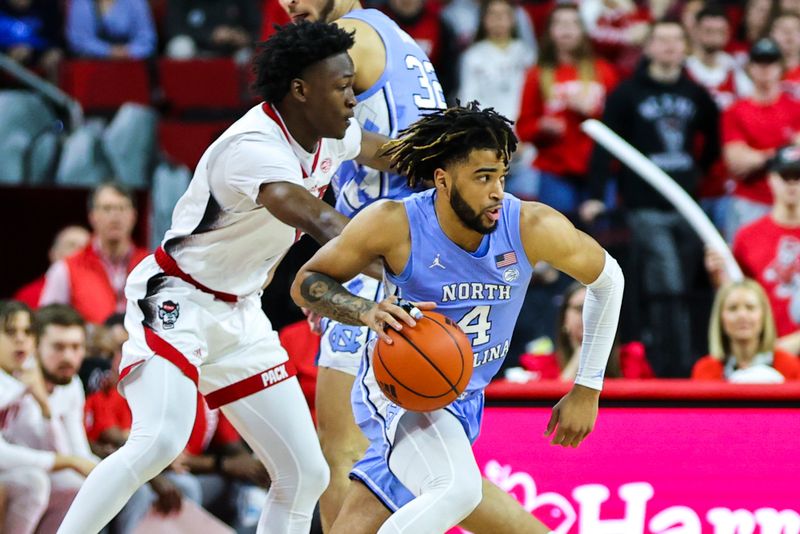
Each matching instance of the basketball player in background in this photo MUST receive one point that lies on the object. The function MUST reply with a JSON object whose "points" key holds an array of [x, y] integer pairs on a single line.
{"points": [[395, 84], [194, 309], [420, 466]]}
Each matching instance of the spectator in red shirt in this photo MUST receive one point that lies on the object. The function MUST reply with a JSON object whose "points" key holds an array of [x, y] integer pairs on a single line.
{"points": [[768, 249], [93, 280], [627, 361], [68, 240], [741, 339], [567, 86], [785, 30], [752, 129]]}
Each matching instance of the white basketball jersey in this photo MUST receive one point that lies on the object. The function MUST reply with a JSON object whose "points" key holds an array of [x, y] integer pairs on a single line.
{"points": [[220, 235]]}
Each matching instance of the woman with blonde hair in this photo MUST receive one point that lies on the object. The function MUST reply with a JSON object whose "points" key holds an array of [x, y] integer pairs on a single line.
{"points": [[741, 339]]}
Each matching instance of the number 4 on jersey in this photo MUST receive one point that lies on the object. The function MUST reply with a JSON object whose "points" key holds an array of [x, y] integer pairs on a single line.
{"points": [[476, 322]]}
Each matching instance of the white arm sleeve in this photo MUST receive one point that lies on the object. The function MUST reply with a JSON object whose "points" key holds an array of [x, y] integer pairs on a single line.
{"points": [[600, 318]]}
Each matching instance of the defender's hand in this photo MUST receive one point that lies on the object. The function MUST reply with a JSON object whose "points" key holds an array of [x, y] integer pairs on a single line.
{"points": [[388, 312], [573, 417]]}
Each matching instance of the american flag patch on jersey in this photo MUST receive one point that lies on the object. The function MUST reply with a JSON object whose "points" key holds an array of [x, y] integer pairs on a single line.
{"points": [[505, 259]]}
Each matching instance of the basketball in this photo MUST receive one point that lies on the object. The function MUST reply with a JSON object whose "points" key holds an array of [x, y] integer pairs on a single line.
{"points": [[426, 367]]}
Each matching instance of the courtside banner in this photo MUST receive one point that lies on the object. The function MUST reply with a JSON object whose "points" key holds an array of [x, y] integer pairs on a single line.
{"points": [[652, 470]]}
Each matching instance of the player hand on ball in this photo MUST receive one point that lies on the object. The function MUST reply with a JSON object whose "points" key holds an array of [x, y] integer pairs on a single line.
{"points": [[573, 417], [390, 311]]}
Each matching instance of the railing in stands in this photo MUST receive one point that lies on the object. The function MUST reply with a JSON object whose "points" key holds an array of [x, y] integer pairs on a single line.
{"points": [[45, 88]]}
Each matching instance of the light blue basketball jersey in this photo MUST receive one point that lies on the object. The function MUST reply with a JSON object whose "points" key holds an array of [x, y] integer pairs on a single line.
{"points": [[407, 89], [482, 291]]}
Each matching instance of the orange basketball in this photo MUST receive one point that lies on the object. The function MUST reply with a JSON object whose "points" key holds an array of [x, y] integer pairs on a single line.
{"points": [[426, 367]]}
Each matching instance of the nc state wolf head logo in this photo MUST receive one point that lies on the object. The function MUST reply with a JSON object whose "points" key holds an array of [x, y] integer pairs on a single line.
{"points": [[168, 312]]}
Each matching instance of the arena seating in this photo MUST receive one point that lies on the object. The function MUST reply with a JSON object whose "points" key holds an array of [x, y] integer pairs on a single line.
{"points": [[200, 85], [186, 141], [103, 86]]}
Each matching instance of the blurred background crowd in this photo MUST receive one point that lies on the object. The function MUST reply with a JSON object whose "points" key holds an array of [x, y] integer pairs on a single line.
{"points": [[107, 105]]}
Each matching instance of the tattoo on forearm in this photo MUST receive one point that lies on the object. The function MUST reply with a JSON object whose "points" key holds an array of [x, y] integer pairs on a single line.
{"points": [[329, 298]]}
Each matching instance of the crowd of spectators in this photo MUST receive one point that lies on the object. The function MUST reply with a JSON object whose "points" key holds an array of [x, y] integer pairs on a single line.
{"points": [[708, 92]]}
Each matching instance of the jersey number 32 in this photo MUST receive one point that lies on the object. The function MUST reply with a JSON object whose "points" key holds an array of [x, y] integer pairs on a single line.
{"points": [[432, 96]]}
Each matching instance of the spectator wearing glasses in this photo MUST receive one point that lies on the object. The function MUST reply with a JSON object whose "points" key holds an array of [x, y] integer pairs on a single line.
{"points": [[768, 249], [93, 280]]}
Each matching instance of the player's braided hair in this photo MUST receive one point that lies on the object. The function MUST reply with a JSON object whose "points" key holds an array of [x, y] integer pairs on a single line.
{"points": [[448, 136], [290, 50]]}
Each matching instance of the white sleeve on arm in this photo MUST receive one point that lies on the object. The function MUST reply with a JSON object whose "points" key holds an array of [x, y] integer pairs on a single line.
{"points": [[56, 288], [600, 318], [18, 456]]}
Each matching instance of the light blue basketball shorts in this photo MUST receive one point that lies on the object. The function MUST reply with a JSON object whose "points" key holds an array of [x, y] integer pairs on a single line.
{"points": [[377, 417]]}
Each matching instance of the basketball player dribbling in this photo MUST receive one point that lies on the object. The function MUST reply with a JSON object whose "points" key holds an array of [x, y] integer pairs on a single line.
{"points": [[395, 84], [420, 466], [194, 313]]}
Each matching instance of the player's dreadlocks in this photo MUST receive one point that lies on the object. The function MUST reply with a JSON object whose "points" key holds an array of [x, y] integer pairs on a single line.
{"points": [[448, 136], [289, 51]]}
